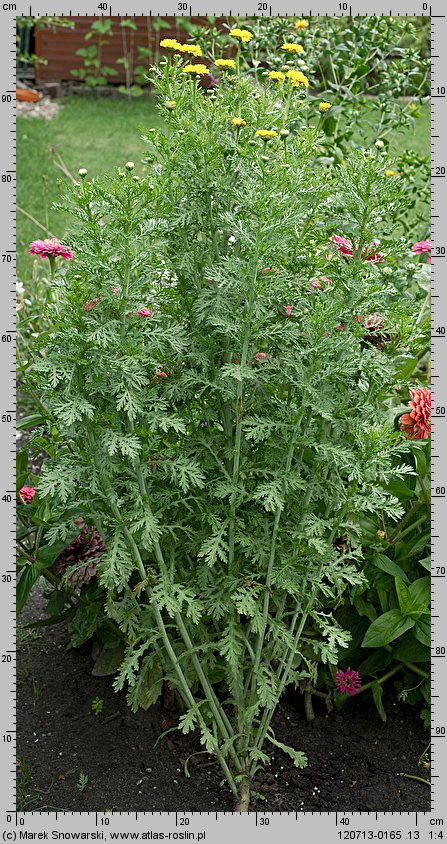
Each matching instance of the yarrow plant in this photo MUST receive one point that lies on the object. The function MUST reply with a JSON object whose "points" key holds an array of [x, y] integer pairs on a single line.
{"points": [[222, 417]]}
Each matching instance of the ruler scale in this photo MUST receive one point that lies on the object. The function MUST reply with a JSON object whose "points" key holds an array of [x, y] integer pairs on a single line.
{"points": [[210, 826]]}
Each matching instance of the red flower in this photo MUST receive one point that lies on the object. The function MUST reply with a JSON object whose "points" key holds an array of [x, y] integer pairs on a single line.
{"points": [[145, 312], [417, 424], [27, 493], [90, 305], [288, 309], [260, 357], [347, 681], [346, 248], [50, 249]]}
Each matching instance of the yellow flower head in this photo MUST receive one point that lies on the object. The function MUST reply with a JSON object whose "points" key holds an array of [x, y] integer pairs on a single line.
{"points": [[191, 49], [238, 122], [170, 44], [325, 106], [225, 63], [277, 76], [293, 48], [301, 24], [170, 104], [392, 173], [297, 78], [266, 134], [243, 35], [200, 69]]}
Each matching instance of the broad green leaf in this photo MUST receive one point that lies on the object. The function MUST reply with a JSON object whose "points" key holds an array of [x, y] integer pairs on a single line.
{"points": [[422, 631], [384, 563], [420, 591], [108, 661], [84, 624], [406, 602], [386, 628], [27, 580]]}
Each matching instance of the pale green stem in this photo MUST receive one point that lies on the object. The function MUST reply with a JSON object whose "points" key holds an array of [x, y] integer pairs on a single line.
{"points": [[221, 719], [186, 692]]}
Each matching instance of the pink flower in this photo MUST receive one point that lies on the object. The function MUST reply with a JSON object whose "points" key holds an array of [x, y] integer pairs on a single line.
{"points": [[348, 681], [340, 327], [270, 270], [417, 424], [145, 312], [50, 249], [315, 284], [90, 305], [260, 357], [27, 493], [326, 279], [152, 463], [115, 291], [422, 246], [288, 309], [346, 248], [160, 374]]}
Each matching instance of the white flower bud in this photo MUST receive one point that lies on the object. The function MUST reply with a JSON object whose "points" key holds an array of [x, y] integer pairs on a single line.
{"points": [[82, 172], [379, 144], [231, 240], [130, 165]]}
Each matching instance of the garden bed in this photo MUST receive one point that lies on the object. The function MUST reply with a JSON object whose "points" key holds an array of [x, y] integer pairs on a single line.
{"points": [[354, 759]]}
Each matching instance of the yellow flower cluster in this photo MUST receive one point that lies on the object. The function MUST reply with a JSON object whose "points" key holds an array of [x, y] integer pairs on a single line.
{"points": [[173, 44], [238, 122], [325, 106], [200, 69], [392, 173], [243, 34], [266, 134], [293, 48], [225, 63], [301, 24], [277, 76], [191, 49], [170, 104], [170, 44], [297, 78]]}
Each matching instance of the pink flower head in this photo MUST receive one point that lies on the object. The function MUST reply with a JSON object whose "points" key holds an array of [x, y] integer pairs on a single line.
{"points": [[270, 270], [288, 309], [348, 681], [368, 254], [340, 327], [260, 357], [90, 305], [326, 279], [115, 291], [160, 374], [50, 249], [145, 312], [152, 463], [27, 493], [422, 246], [316, 284], [417, 424]]}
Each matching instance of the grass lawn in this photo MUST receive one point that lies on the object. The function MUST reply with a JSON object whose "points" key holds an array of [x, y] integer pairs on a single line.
{"points": [[100, 134]]}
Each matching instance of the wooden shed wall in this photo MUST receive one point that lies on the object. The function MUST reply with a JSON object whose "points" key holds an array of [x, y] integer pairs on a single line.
{"points": [[59, 48]]}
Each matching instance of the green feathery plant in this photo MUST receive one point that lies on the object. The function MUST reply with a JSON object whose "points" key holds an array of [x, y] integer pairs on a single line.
{"points": [[218, 412]]}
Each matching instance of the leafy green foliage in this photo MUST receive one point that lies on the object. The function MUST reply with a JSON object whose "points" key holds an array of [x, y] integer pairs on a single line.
{"points": [[221, 416]]}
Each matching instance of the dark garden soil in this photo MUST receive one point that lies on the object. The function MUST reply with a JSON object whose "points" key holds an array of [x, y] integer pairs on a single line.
{"points": [[354, 759]]}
